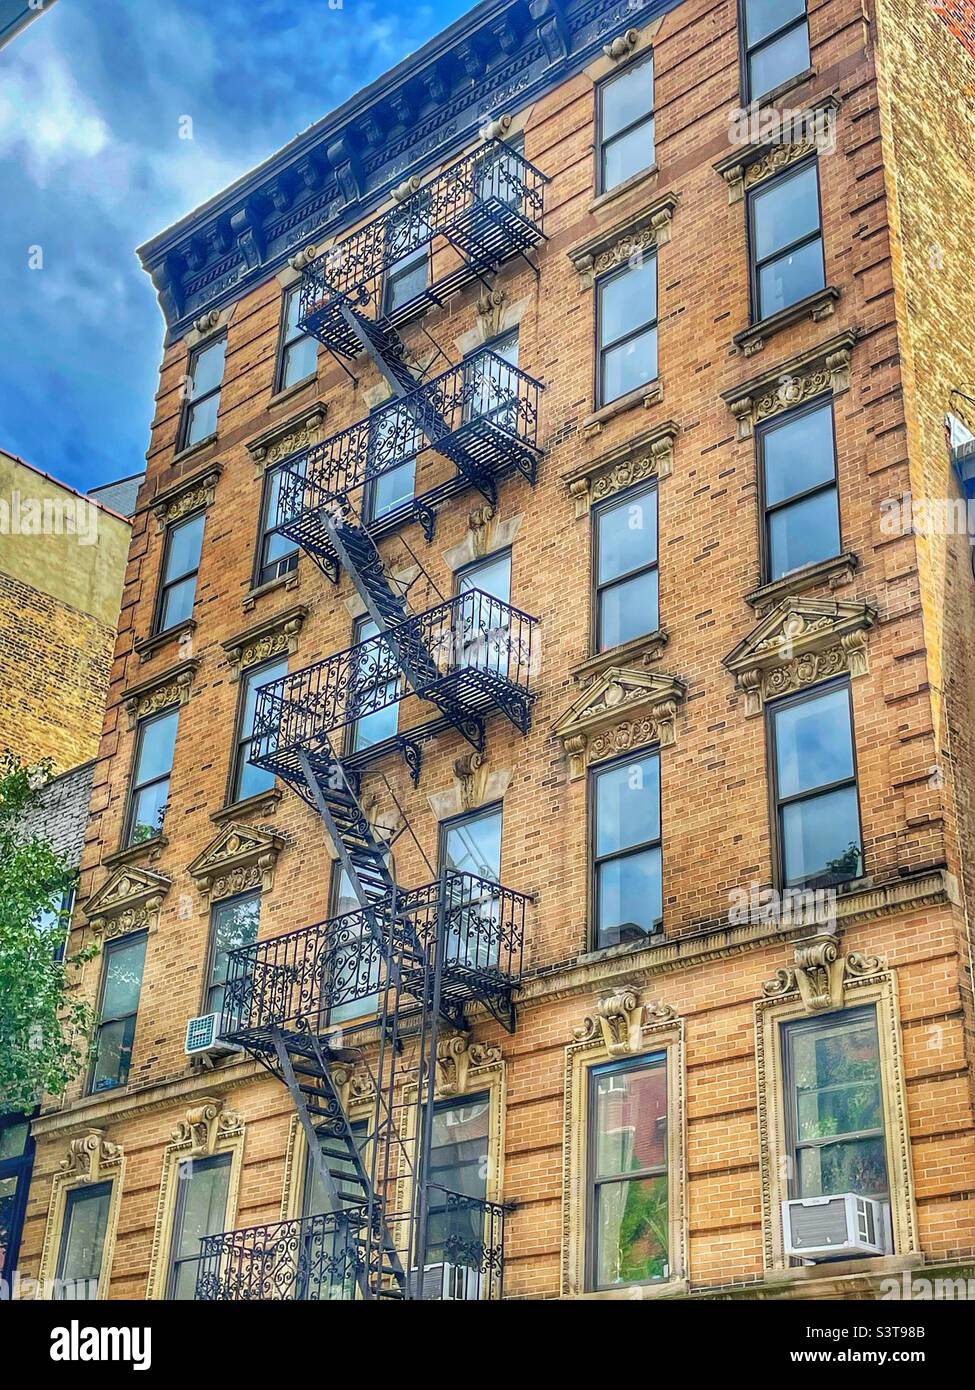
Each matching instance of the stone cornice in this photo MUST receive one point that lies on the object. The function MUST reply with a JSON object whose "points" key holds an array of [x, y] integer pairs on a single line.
{"points": [[643, 231], [825, 367], [273, 637], [171, 687], [622, 709], [497, 59], [761, 159], [287, 436], [646, 456], [188, 495]]}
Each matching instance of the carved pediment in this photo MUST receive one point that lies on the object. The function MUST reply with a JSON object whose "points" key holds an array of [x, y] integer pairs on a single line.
{"points": [[240, 858], [128, 900], [287, 437], [799, 642], [163, 691], [274, 637], [622, 708]]}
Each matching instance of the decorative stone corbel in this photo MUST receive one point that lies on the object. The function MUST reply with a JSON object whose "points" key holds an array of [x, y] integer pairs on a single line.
{"points": [[457, 1056], [622, 46], [88, 1155], [203, 1126], [407, 188], [821, 974], [303, 258], [207, 322], [490, 313], [619, 1018], [496, 129]]}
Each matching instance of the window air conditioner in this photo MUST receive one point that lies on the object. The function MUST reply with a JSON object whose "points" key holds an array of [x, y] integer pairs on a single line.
{"points": [[833, 1228], [449, 1282], [202, 1038]]}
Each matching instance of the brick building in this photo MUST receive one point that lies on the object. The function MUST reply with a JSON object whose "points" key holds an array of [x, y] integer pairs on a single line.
{"points": [[630, 405]]}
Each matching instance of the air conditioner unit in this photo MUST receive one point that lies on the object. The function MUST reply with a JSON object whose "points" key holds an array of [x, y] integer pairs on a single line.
{"points": [[447, 1282], [833, 1228], [202, 1038]]}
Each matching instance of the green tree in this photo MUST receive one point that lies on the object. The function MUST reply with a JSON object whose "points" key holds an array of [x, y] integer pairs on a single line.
{"points": [[43, 1031]]}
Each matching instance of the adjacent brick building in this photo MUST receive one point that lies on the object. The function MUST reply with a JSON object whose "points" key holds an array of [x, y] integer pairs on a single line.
{"points": [[750, 669]]}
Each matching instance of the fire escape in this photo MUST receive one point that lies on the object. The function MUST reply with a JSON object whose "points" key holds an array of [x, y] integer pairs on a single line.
{"points": [[421, 958]]}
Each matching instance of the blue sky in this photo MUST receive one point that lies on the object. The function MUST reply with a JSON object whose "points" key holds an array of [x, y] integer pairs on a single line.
{"points": [[91, 165]]}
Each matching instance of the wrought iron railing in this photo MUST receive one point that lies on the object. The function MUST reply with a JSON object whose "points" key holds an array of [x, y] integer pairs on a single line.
{"points": [[484, 404], [320, 977], [483, 650], [312, 1258], [464, 1248], [487, 206]]}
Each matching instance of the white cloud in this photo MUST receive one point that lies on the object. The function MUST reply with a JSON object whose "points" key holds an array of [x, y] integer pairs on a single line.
{"points": [[46, 120]]}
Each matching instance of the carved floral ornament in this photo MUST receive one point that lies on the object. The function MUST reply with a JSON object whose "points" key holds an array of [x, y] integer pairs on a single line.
{"points": [[89, 1157], [781, 143], [457, 1057], [240, 859], [205, 1125], [647, 457], [191, 495], [620, 1019], [621, 709], [824, 368], [269, 639], [161, 692], [288, 437], [637, 237], [820, 974], [128, 901], [799, 642]]}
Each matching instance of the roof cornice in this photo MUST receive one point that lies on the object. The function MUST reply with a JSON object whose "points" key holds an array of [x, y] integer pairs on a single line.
{"points": [[497, 59]]}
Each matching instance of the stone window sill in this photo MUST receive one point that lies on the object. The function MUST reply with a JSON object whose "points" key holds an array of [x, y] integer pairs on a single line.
{"points": [[263, 804], [645, 396], [193, 449], [627, 948], [641, 651], [818, 306], [635, 1293], [838, 570], [148, 646], [290, 392], [132, 854], [283, 581], [621, 190]]}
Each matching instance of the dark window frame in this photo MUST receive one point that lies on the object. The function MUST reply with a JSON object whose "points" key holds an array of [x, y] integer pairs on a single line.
{"points": [[135, 787], [20, 1168], [237, 761], [775, 804], [82, 1193], [119, 943], [218, 1160], [287, 564], [746, 50], [596, 588], [424, 252], [603, 348], [437, 1205], [837, 1018], [404, 510], [762, 431], [754, 266], [284, 343], [636, 755], [593, 1182], [211, 952], [648, 55], [190, 402], [451, 822], [164, 584]]}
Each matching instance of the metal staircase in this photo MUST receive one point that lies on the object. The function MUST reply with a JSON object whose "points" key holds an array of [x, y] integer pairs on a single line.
{"points": [[420, 958]]}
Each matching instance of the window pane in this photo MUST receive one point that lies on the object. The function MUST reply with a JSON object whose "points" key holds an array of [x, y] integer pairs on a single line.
{"points": [[627, 301], [790, 278], [629, 366], [291, 311], [390, 490], [803, 533], [85, 1224], [178, 603], [157, 742], [113, 1054], [123, 978], [254, 679], [630, 1121], [626, 536], [203, 420], [799, 454], [13, 1140], [629, 154], [778, 61], [765, 17], [632, 1229], [624, 99], [149, 808], [813, 743], [300, 361], [629, 897], [857, 1166], [627, 805], [202, 1212], [786, 212], [628, 610], [842, 1110], [183, 546], [207, 371], [492, 577], [407, 278], [474, 845], [459, 1163], [235, 924], [821, 835]]}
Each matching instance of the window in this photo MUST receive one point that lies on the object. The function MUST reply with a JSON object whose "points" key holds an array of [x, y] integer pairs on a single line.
{"points": [[149, 796], [406, 279], [249, 780], [372, 686], [315, 1199], [485, 624], [354, 976], [797, 455], [490, 389], [626, 329], [834, 1105], [786, 241], [234, 923], [626, 124], [83, 1240], [501, 173], [298, 352], [277, 554], [16, 1162], [393, 436], [458, 1163], [203, 393], [629, 1203], [124, 961], [814, 774], [201, 1210], [625, 567], [628, 893], [776, 35], [181, 565], [471, 844]]}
